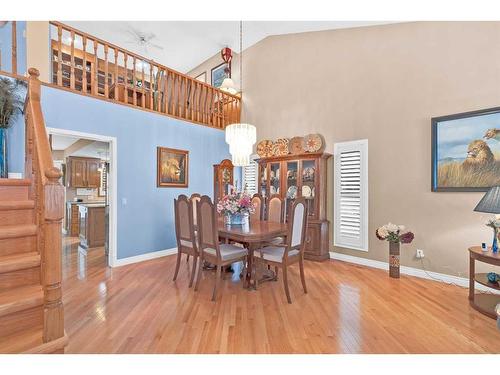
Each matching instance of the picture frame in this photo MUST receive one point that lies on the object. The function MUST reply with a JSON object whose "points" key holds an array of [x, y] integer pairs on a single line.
{"points": [[172, 167], [218, 74], [202, 77], [465, 151]]}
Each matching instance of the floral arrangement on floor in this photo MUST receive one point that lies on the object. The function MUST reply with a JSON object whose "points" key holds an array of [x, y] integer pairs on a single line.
{"points": [[394, 233], [236, 203]]}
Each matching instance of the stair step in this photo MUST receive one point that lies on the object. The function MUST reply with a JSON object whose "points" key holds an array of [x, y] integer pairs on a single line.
{"points": [[16, 231], [20, 342], [17, 262], [19, 299], [14, 182], [16, 205]]}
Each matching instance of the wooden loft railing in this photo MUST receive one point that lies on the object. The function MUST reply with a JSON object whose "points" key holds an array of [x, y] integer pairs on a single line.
{"points": [[91, 66], [13, 53], [48, 194]]}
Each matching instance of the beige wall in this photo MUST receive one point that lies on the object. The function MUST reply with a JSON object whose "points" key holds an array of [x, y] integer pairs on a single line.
{"points": [[37, 48], [384, 83]]}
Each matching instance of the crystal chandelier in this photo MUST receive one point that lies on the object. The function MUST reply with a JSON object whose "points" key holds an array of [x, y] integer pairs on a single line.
{"points": [[241, 137]]}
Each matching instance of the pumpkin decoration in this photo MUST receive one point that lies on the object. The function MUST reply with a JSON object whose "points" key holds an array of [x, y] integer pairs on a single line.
{"points": [[312, 143], [295, 145], [280, 147], [265, 148]]}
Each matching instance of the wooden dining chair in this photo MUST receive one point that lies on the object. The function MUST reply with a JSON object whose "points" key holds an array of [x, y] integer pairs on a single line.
{"points": [[292, 251], [258, 202], [195, 197], [219, 254], [185, 233]]}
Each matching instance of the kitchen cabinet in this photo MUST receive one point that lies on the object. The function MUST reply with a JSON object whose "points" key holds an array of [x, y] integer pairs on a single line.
{"points": [[83, 172], [92, 224], [72, 224]]}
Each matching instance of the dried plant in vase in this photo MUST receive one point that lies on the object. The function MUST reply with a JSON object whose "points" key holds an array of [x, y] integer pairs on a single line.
{"points": [[396, 235], [11, 105]]}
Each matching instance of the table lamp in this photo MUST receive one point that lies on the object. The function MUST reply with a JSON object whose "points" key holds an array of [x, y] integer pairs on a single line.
{"points": [[490, 203]]}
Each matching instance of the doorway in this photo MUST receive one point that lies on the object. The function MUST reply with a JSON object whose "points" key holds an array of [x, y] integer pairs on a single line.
{"points": [[88, 163]]}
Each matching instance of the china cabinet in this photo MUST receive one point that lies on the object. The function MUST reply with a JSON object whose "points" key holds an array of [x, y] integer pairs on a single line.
{"points": [[223, 178], [305, 176]]}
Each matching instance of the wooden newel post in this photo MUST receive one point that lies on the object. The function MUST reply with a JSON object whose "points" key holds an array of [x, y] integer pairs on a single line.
{"points": [[51, 257], [394, 259]]}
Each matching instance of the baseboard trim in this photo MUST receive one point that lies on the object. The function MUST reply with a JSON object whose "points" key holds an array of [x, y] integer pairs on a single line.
{"points": [[143, 257], [411, 271]]}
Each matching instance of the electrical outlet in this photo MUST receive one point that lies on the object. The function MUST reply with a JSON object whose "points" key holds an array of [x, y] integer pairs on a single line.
{"points": [[419, 254]]}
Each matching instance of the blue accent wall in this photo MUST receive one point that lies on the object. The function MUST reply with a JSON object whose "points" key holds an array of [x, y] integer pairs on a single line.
{"points": [[146, 222]]}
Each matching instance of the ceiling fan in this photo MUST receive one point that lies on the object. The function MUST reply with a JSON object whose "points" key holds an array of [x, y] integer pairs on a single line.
{"points": [[142, 39]]}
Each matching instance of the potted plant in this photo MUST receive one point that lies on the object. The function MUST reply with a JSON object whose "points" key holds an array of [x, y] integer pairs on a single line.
{"points": [[11, 105], [396, 235], [236, 208]]}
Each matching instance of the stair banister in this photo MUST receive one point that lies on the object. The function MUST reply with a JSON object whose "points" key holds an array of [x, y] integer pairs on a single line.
{"points": [[48, 194]]}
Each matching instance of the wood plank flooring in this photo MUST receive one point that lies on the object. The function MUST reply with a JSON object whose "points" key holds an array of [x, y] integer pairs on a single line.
{"points": [[349, 309]]}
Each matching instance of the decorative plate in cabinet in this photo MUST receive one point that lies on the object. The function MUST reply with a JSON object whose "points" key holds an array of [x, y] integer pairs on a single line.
{"points": [[312, 143], [265, 148], [280, 147]]}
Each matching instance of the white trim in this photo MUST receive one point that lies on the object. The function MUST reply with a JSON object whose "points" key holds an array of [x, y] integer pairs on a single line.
{"points": [[147, 256], [411, 271], [113, 196]]}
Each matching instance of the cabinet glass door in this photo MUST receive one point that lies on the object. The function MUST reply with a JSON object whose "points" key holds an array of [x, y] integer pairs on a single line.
{"points": [[308, 184], [274, 179], [291, 184], [263, 179]]}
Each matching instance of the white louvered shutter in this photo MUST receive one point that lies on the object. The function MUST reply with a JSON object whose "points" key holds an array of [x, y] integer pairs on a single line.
{"points": [[250, 177], [351, 195]]}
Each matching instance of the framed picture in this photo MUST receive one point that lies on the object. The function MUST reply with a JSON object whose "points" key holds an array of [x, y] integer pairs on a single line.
{"points": [[172, 167], [466, 151], [218, 75], [202, 77]]}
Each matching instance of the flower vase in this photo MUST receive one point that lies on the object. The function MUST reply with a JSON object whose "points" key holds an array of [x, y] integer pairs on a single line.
{"points": [[494, 245], [237, 219], [3, 153], [394, 259]]}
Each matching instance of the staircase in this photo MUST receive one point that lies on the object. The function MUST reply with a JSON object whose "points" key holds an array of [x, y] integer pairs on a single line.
{"points": [[31, 211]]}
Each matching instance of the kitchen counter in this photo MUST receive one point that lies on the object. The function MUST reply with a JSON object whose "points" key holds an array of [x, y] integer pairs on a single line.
{"points": [[92, 224]]}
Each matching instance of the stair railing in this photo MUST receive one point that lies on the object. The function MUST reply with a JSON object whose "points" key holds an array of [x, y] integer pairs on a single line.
{"points": [[48, 194]]}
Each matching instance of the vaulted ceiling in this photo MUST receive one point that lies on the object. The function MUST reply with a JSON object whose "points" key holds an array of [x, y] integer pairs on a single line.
{"points": [[182, 45]]}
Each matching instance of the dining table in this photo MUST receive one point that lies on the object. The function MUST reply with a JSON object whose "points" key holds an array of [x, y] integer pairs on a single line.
{"points": [[251, 236]]}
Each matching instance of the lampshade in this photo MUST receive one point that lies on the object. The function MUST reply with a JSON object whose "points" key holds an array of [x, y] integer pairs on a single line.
{"points": [[228, 86], [490, 202], [241, 138]]}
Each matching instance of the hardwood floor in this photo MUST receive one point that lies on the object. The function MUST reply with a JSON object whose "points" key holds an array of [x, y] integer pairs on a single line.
{"points": [[349, 309]]}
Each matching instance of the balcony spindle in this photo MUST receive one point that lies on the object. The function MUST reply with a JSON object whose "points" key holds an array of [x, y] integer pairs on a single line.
{"points": [[115, 78], [59, 55], [72, 71], [134, 81], [166, 90], [84, 65], [151, 86], [14, 47], [143, 84], [106, 69], [95, 73], [125, 78]]}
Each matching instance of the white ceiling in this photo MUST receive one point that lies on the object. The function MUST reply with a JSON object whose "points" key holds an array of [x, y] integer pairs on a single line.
{"points": [[96, 149], [186, 44]]}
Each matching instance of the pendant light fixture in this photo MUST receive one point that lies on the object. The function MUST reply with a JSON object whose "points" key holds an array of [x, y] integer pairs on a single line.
{"points": [[227, 84], [241, 137]]}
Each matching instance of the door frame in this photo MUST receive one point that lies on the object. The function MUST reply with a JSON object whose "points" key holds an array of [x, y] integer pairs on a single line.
{"points": [[112, 183]]}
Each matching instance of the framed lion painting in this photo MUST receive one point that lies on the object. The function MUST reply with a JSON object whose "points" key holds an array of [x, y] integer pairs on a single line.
{"points": [[466, 151], [172, 167]]}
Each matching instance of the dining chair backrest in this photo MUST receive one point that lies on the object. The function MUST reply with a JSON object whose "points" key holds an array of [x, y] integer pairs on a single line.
{"points": [[297, 224], [184, 227], [257, 201], [275, 209], [195, 197], [207, 225]]}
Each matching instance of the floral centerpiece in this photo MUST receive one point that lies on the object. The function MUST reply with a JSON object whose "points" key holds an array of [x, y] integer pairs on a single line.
{"points": [[236, 207], [395, 234]]}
